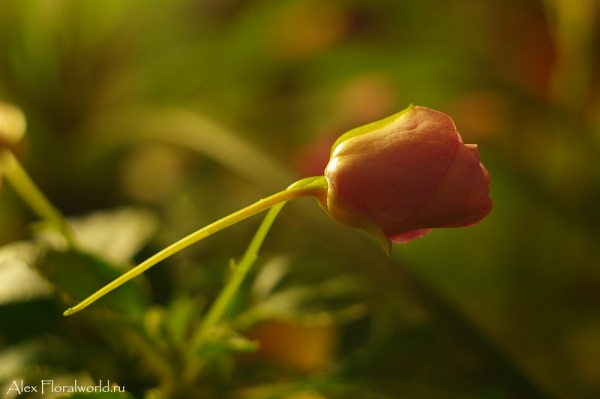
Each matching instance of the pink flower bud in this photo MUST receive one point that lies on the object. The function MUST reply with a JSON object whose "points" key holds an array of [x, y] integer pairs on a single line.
{"points": [[402, 176]]}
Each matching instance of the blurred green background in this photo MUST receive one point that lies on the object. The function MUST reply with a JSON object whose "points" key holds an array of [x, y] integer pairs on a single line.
{"points": [[187, 110]]}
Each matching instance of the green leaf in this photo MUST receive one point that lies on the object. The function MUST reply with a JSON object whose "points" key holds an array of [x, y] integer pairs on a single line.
{"points": [[20, 282], [117, 234], [15, 358], [226, 340], [79, 274]]}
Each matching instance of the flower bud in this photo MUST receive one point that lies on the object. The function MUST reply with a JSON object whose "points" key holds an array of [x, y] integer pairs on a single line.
{"points": [[12, 124], [402, 176]]}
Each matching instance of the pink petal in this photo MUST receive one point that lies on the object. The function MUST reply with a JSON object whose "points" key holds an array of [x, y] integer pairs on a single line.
{"points": [[403, 238], [389, 172]]}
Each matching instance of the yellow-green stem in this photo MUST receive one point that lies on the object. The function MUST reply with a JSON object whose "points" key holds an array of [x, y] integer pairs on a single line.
{"points": [[204, 232], [223, 301], [30, 193]]}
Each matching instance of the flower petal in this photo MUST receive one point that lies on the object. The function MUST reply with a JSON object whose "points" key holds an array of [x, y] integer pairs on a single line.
{"points": [[404, 238], [461, 199], [389, 172]]}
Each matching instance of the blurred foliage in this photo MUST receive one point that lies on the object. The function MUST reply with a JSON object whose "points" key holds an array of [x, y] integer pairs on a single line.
{"points": [[188, 110]]}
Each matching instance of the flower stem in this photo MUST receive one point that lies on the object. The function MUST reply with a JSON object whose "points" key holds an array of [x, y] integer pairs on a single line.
{"points": [[223, 301], [220, 306], [204, 232], [32, 195], [241, 270]]}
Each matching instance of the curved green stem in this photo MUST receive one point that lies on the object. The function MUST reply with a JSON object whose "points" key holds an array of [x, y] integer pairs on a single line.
{"points": [[220, 306], [204, 232], [32, 195], [225, 297]]}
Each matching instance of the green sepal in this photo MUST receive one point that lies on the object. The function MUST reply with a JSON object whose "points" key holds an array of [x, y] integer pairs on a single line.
{"points": [[370, 127], [380, 236], [359, 220], [347, 215], [310, 182], [356, 219]]}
